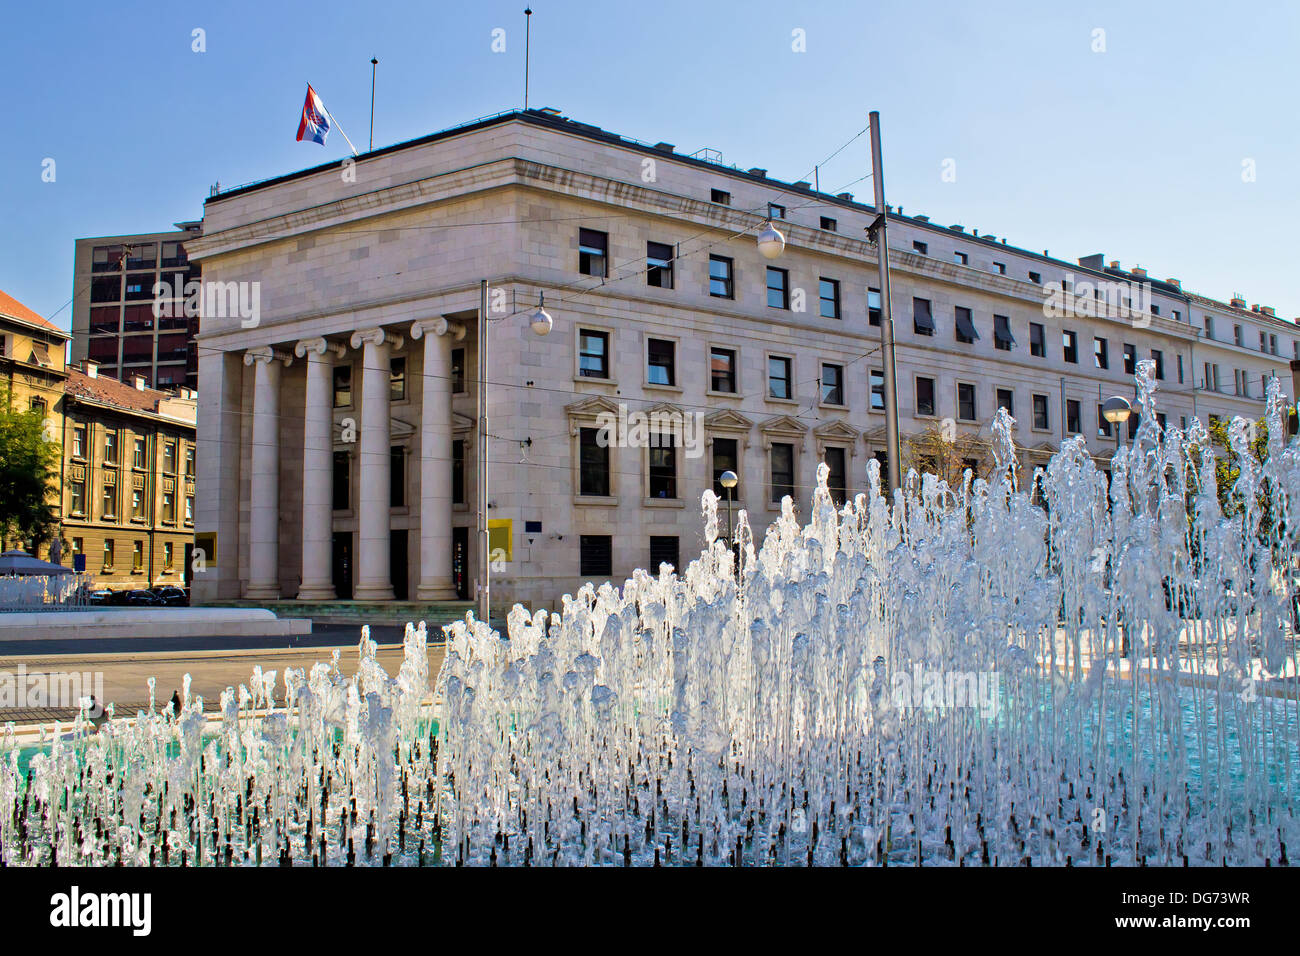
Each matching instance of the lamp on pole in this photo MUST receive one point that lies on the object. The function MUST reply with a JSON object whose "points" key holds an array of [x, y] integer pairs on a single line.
{"points": [[728, 479], [540, 322], [1117, 410]]}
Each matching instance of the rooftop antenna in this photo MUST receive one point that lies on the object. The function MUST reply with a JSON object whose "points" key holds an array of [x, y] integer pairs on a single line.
{"points": [[528, 22]]}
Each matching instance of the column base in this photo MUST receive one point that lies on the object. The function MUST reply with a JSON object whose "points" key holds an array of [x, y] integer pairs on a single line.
{"points": [[317, 592], [373, 592], [436, 590], [262, 592]]}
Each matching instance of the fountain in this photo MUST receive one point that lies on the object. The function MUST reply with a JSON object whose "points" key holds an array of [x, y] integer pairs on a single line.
{"points": [[1077, 673]]}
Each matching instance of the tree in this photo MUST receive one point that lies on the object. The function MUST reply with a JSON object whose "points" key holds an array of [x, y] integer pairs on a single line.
{"points": [[29, 477], [945, 453], [1226, 467]]}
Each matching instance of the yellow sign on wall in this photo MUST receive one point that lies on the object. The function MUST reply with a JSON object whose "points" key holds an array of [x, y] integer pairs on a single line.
{"points": [[499, 539]]}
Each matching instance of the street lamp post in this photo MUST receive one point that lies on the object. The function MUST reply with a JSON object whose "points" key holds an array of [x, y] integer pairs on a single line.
{"points": [[728, 479], [540, 322], [1117, 410]]}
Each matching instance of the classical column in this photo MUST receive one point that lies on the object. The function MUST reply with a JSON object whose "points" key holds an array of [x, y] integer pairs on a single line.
{"points": [[435, 460], [374, 501], [264, 484], [318, 470]]}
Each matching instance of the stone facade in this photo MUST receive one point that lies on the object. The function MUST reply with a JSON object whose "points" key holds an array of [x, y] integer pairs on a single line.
{"points": [[338, 429]]}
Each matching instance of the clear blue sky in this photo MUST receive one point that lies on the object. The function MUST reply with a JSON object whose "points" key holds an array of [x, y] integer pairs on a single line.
{"points": [[1135, 152]]}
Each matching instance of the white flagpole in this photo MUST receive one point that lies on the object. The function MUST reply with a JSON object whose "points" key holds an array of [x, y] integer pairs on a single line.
{"points": [[340, 126]]}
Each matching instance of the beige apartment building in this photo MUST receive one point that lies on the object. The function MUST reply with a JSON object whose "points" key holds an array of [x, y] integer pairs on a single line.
{"points": [[338, 424]]}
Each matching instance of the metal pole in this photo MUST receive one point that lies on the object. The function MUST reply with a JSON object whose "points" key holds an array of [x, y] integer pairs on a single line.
{"points": [[528, 24], [886, 312], [373, 65], [481, 497], [730, 543]]}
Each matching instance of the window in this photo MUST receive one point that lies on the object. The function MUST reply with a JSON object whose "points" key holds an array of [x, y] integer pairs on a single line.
{"points": [[924, 395], [137, 504], [778, 377], [1158, 357], [775, 211], [169, 507], [1272, 343], [1042, 420], [1002, 337], [397, 379], [873, 306], [1070, 346], [662, 365], [1134, 421], [720, 196], [882, 458], [108, 554], [137, 556], [189, 460], [664, 550], [1103, 426], [1035, 278], [1238, 337], [877, 379], [964, 328], [782, 471], [1209, 327], [397, 476], [832, 384], [722, 370], [458, 471], [78, 547], [342, 386], [659, 265], [1100, 352], [778, 291], [663, 466], [77, 497], [593, 354], [966, 401], [1263, 341], [593, 464], [1180, 368], [593, 252], [1073, 417], [837, 480], [457, 371], [829, 292], [829, 224], [1130, 359], [1211, 377], [1037, 340], [78, 441], [169, 458], [39, 406], [922, 320], [721, 282], [725, 458], [920, 247], [110, 448], [169, 556], [106, 289], [1000, 268], [189, 509], [342, 482], [109, 509], [961, 258], [1006, 398], [595, 555]]}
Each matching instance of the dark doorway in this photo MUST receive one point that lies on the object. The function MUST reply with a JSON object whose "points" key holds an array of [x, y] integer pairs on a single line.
{"points": [[460, 561], [343, 565], [189, 565], [397, 543]]}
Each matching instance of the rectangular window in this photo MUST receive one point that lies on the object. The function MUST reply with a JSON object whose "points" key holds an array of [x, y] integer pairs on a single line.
{"points": [[1002, 337], [1209, 327], [595, 555], [1042, 418], [1100, 352], [837, 480], [663, 466], [966, 401], [778, 288], [169, 507], [1158, 357], [593, 252], [922, 320], [775, 211], [721, 283], [1263, 341], [664, 550], [961, 258], [920, 247], [593, 464], [722, 370], [342, 482], [169, 556], [1035, 278], [1073, 417], [924, 395], [110, 448], [342, 386], [964, 326], [873, 306], [1238, 337], [828, 290], [778, 377], [397, 476], [877, 390], [457, 371], [1000, 268], [659, 265], [829, 224], [169, 458], [720, 196], [832, 384], [1037, 340], [593, 354], [1103, 426], [108, 554], [1007, 399], [189, 509], [137, 504], [882, 459], [1180, 368], [725, 458], [458, 471], [662, 368], [1272, 344], [109, 509], [1070, 346], [78, 441], [1130, 359], [77, 497], [137, 556], [397, 379], [782, 471], [189, 460]]}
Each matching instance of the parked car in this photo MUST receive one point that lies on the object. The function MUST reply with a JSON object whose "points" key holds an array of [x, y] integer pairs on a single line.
{"points": [[143, 598], [100, 596], [172, 596]]}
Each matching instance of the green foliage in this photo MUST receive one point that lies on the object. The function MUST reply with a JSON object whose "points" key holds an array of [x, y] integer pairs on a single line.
{"points": [[29, 476], [1227, 468]]}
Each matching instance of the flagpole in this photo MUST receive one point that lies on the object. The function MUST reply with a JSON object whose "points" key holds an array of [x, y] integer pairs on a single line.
{"points": [[374, 65], [341, 133]]}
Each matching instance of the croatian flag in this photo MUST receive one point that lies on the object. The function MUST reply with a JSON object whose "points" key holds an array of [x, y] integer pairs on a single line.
{"points": [[315, 124]]}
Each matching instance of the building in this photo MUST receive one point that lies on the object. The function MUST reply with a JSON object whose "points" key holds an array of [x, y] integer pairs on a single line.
{"points": [[338, 426], [129, 471], [114, 320]]}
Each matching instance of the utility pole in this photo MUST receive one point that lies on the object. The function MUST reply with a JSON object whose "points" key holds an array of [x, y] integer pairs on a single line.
{"points": [[481, 497], [528, 23], [877, 230], [373, 65]]}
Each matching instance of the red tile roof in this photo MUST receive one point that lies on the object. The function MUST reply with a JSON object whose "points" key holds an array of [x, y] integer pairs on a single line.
{"points": [[109, 391], [13, 309]]}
